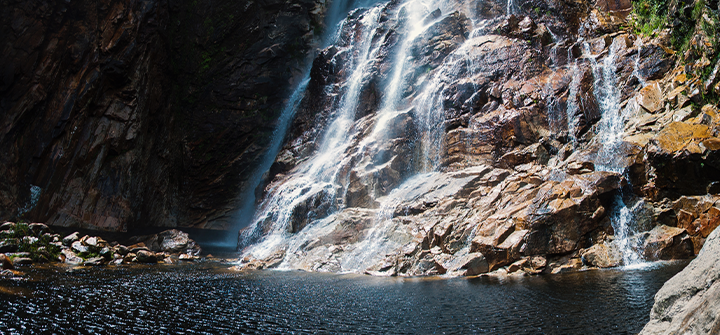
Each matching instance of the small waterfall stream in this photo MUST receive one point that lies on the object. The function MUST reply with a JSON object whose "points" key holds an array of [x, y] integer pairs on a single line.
{"points": [[611, 151], [245, 213]]}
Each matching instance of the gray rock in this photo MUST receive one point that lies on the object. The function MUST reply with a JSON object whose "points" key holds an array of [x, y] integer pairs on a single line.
{"points": [[144, 256], [68, 240], [29, 239], [106, 252], [689, 302], [91, 242], [96, 261], [121, 249], [78, 247], [71, 257], [39, 228], [22, 261]]}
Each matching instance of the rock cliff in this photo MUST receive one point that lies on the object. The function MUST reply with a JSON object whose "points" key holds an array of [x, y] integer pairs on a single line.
{"points": [[124, 114], [689, 302], [458, 137]]}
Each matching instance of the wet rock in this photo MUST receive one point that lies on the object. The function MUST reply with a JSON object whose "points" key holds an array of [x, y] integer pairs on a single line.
{"points": [[9, 245], [533, 153], [476, 264], [79, 247], [602, 256], [22, 261], [121, 249], [562, 266], [144, 256], [689, 301], [7, 264], [575, 167], [106, 253], [129, 257], [39, 228], [95, 261], [664, 242], [70, 239], [172, 241], [71, 257]]}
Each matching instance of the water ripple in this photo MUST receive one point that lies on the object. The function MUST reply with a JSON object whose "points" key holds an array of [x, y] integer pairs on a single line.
{"points": [[201, 299]]}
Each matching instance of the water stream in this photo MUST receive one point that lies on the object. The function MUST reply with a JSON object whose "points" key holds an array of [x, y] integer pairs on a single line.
{"points": [[337, 11], [611, 153]]}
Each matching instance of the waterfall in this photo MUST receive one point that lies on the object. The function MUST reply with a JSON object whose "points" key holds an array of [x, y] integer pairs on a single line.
{"points": [[316, 176], [309, 201], [611, 152], [335, 13], [636, 64]]}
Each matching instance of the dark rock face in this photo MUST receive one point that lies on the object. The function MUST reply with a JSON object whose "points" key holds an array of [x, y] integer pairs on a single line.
{"points": [[119, 115]]}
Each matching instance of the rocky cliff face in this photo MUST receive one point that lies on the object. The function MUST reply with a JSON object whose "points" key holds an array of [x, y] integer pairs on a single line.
{"points": [[457, 137], [119, 115]]}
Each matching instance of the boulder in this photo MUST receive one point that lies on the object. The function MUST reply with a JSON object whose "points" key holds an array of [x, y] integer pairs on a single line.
{"points": [[650, 97], [532, 153], [106, 253], [68, 240], [602, 256], [7, 226], [7, 264], [144, 256], [475, 264], [71, 257], [121, 249], [689, 302], [39, 228], [664, 242], [79, 247], [9, 245], [172, 241]]}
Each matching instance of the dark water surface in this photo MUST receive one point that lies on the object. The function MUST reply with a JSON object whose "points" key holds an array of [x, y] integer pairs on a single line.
{"points": [[208, 299]]}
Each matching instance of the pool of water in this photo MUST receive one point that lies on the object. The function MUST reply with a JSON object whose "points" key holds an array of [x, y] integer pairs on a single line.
{"points": [[208, 299]]}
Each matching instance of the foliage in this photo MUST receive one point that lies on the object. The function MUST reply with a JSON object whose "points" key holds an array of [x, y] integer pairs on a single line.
{"points": [[649, 16]]}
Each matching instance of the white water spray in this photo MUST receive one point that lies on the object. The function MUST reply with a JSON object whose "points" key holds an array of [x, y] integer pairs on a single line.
{"points": [[609, 157]]}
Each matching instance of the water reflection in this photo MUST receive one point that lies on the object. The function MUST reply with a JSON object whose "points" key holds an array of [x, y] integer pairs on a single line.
{"points": [[207, 299]]}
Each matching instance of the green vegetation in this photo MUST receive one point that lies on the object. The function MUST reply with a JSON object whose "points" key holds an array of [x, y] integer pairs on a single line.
{"points": [[649, 16], [40, 245]]}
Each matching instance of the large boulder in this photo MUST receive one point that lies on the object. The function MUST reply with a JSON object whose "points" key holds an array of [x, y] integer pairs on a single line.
{"points": [[171, 241], [689, 302]]}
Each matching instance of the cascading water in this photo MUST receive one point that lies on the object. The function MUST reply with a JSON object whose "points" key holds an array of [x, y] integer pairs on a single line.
{"points": [[246, 211], [611, 152], [636, 65], [320, 183], [316, 177]]}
